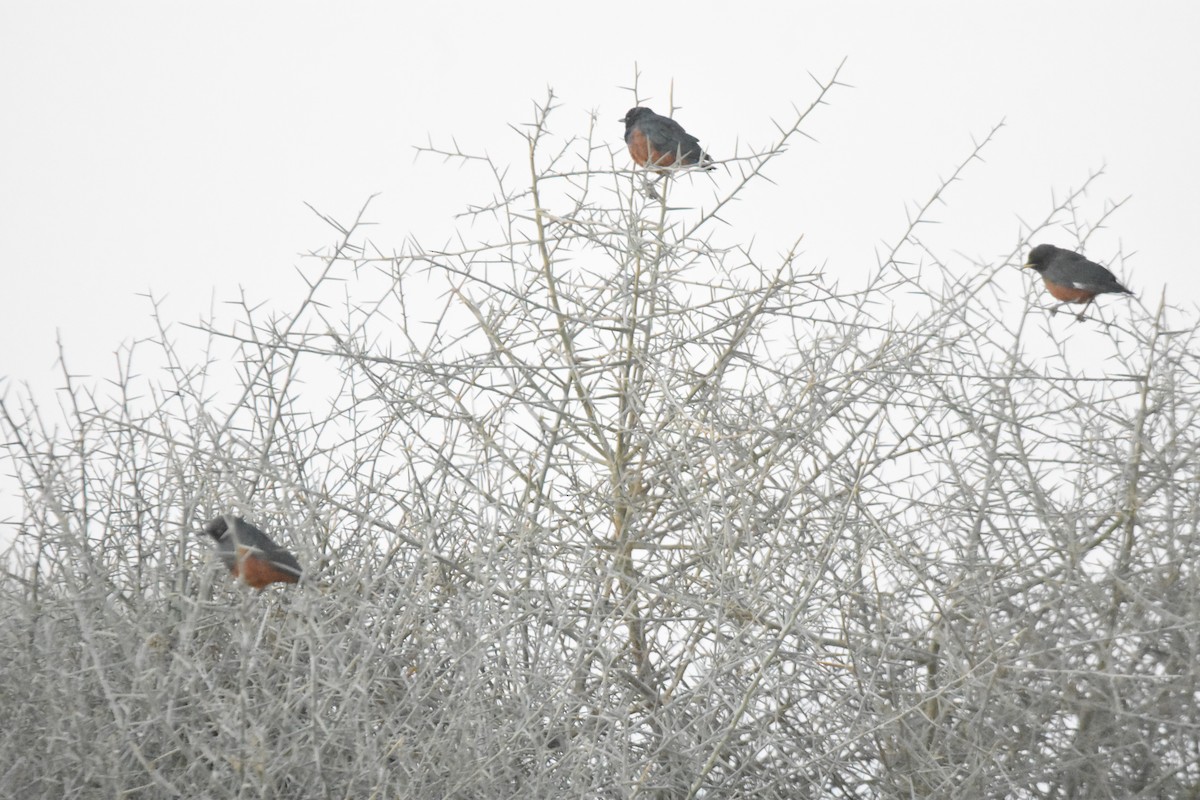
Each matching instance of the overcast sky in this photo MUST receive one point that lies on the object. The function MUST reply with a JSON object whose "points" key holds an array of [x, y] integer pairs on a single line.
{"points": [[153, 147]]}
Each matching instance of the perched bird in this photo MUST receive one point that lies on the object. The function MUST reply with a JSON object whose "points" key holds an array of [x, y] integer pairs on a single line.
{"points": [[1070, 277], [660, 142], [249, 554]]}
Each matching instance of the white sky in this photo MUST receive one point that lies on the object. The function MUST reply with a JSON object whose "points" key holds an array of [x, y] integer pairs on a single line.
{"points": [[157, 147]]}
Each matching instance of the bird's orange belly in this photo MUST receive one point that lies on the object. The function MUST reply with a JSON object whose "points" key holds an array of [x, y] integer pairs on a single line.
{"points": [[258, 572], [1068, 294]]}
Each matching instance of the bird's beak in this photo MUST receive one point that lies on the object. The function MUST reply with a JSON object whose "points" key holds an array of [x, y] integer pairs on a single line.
{"points": [[622, 119], [1027, 266]]}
